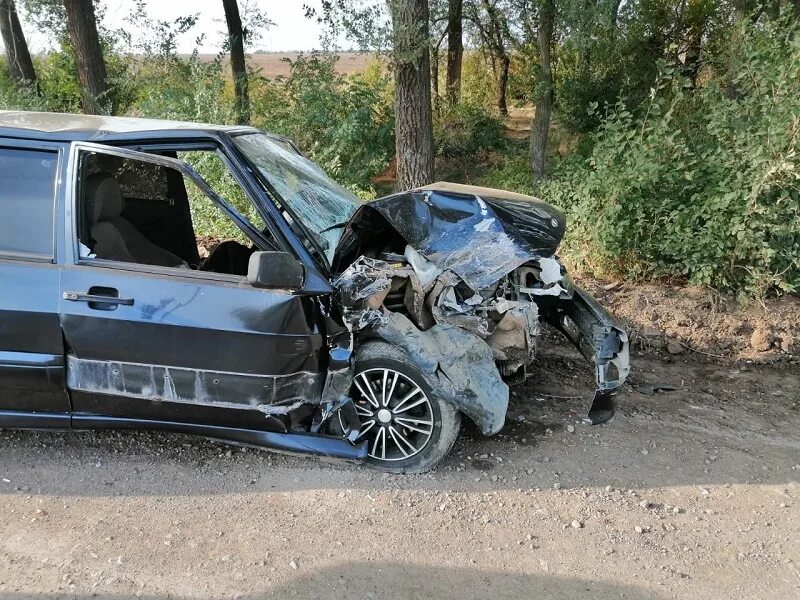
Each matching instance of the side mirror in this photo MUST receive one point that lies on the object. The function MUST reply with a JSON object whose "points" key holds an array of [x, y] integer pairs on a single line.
{"points": [[275, 271]]}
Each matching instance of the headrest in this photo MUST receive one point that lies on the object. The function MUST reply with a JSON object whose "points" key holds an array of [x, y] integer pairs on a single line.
{"points": [[104, 197]]}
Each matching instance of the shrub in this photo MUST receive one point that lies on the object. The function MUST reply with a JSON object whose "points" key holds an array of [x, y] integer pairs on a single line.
{"points": [[465, 130], [478, 84], [346, 124], [182, 89], [704, 185]]}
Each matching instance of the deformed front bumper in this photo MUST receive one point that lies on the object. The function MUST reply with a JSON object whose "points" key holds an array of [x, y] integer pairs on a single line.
{"points": [[596, 334]]}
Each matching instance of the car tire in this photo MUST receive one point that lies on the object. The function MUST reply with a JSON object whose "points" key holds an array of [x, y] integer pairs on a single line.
{"points": [[408, 443]]}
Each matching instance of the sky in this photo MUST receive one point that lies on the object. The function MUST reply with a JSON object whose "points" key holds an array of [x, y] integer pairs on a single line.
{"points": [[291, 30]]}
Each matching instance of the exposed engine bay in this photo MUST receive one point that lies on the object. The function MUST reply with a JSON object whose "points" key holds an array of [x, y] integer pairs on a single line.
{"points": [[463, 278]]}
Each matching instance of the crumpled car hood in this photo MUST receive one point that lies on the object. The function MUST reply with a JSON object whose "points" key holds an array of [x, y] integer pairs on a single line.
{"points": [[446, 222], [462, 277]]}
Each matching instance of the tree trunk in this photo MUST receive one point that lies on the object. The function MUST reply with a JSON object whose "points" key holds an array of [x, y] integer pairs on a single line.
{"points": [[615, 12], [82, 29], [238, 65], [435, 78], [20, 65], [498, 33], [412, 102], [455, 50], [502, 85], [540, 128]]}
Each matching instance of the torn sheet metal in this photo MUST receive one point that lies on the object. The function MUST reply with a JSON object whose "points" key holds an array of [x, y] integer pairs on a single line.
{"points": [[453, 335], [479, 234], [423, 267], [335, 397], [462, 364], [365, 283], [602, 341]]}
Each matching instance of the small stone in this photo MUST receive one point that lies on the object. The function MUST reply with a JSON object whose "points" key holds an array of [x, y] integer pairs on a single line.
{"points": [[577, 524], [676, 510], [556, 486], [645, 452], [644, 504], [639, 529], [571, 428], [293, 564], [674, 347]]}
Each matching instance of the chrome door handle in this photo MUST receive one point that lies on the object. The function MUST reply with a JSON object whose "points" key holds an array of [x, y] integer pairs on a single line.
{"points": [[93, 298]]}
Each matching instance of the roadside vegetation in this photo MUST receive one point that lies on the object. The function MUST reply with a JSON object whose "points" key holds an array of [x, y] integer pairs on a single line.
{"points": [[668, 130]]}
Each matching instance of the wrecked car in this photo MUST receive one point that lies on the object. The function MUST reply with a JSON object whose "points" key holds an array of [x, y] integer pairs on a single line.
{"points": [[313, 323]]}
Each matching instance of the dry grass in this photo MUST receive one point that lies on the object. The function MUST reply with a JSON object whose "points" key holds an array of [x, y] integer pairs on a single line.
{"points": [[276, 64]]}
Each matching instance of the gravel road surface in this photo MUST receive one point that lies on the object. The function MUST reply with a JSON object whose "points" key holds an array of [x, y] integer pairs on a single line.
{"points": [[689, 493]]}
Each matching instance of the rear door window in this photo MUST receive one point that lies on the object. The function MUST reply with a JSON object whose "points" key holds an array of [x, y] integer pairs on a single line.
{"points": [[27, 201]]}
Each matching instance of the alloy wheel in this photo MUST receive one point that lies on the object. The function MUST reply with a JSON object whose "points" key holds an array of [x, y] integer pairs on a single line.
{"points": [[396, 414]]}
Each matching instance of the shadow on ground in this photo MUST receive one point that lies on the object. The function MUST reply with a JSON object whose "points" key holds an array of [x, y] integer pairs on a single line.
{"points": [[382, 580]]}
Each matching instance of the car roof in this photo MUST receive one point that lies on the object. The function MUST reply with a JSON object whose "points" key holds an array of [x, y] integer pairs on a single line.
{"points": [[75, 127]]}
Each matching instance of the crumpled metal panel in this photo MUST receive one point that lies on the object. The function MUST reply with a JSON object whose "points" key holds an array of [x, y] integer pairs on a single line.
{"points": [[596, 334], [461, 363], [476, 270], [455, 346], [481, 238]]}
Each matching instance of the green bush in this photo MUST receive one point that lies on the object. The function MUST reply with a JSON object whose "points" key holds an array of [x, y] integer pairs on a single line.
{"points": [[704, 184], [465, 130], [182, 89], [512, 173], [344, 123], [478, 84]]}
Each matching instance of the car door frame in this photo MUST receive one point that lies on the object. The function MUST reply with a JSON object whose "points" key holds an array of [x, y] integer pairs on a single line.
{"points": [[72, 172], [73, 259]]}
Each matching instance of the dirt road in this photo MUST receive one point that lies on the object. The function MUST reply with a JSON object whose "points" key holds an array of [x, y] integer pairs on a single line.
{"points": [[691, 493]]}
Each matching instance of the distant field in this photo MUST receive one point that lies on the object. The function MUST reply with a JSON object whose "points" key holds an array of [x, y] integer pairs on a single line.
{"points": [[272, 65]]}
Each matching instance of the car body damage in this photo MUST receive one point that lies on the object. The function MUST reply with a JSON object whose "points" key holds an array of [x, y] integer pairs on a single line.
{"points": [[462, 278], [359, 331]]}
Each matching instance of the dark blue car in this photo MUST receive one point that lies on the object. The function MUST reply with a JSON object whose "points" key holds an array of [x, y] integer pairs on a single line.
{"points": [[313, 323]]}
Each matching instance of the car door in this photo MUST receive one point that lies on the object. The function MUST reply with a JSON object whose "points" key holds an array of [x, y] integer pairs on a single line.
{"points": [[31, 348], [174, 344]]}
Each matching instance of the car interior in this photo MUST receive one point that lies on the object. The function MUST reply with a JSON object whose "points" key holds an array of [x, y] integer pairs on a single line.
{"points": [[139, 212]]}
